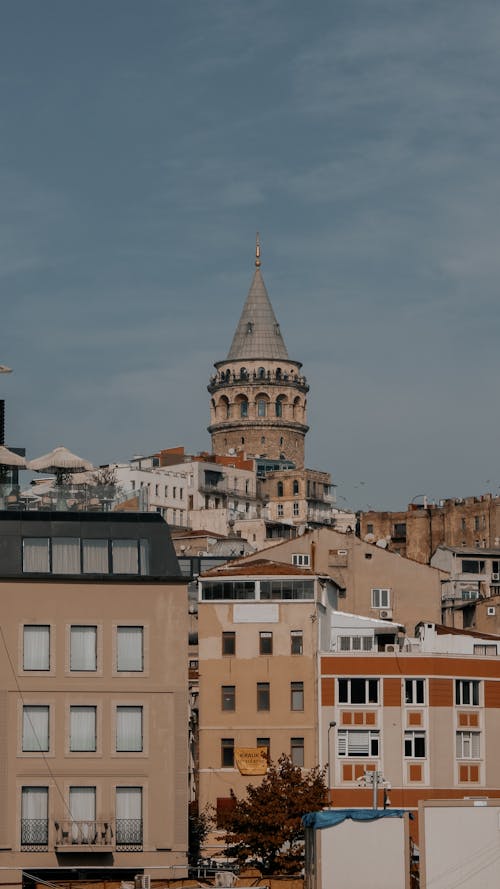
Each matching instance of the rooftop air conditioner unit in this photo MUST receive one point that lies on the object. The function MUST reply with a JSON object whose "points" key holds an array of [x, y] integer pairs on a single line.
{"points": [[142, 881], [386, 614], [391, 647], [495, 575], [491, 610]]}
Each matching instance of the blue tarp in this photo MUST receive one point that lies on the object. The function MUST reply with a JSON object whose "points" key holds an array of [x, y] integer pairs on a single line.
{"points": [[331, 817]]}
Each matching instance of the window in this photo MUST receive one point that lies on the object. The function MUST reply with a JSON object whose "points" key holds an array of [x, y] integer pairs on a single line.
{"points": [[279, 489], [399, 530], [264, 742], [228, 642], [280, 511], [468, 745], [279, 407], [82, 808], [263, 696], [244, 408], [472, 566], [381, 598], [66, 555], [125, 556], [36, 647], [369, 528], [83, 648], [286, 589], [227, 753], [265, 643], [261, 407], [303, 560], [414, 691], [296, 642], [297, 751], [467, 692], [296, 695], [129, 817], [82, 731], [486, 650], [95, 557], [295, 508], [36, 555], [129, 729], [295, 486], [130, 649], [229, 589], [354, 742], [34, 817], [228, 697], [415, 745], [355, 643], [358, 691], [35, 729]]}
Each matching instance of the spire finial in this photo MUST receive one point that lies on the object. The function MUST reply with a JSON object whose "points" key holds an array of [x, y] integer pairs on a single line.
{"points": [[257, 251]]}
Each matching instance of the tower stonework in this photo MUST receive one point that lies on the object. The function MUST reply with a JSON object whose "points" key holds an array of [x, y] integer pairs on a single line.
{"points": [[258, 394]]}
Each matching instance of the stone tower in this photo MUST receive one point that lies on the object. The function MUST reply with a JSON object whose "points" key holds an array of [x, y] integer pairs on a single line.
{"points": [[258, 395]]}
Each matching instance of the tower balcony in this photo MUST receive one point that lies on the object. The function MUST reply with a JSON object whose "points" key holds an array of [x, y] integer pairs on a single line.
{"points": [[254, 378]]}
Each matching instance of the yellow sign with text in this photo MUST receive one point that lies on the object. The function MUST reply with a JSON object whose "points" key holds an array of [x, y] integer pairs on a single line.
{"points": [[251, 760]]}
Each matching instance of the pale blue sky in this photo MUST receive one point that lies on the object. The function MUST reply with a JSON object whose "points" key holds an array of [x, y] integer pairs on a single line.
{"points": [[142, 144]]}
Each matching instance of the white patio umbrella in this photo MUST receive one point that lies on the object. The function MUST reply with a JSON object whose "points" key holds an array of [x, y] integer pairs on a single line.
{"points": [[60, 462]]}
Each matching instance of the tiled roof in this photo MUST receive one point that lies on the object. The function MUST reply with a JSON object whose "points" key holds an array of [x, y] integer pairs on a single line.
{"points": [[260, 568], [258, 333]]}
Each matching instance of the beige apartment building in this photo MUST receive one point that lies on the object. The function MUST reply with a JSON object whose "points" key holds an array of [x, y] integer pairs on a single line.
{"points": [[416, 532], [93, 697], [372, 581]]}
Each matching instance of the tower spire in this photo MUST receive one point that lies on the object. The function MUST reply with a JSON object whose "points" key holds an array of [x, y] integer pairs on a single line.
{"points": [[257, 251]]}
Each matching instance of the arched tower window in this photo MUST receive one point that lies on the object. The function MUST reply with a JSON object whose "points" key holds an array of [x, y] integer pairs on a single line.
{"points": [[279, 405], [224, 408], [295, 486], [280, 489], [278, 373], [243, 408], [261, 407], [261, 373]]}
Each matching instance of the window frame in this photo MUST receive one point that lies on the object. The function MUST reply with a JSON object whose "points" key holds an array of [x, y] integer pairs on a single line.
{"points": [[49, 667], [263, 697], [228, 698], [297, 751], [378, 594], [472, 687], [344, 735], [120, 671], [81, 750], [265, 642], [411, 736], [84, 670], [228, 643], [227, 753], [118, 749], [467, 737], [296, 641], [297, 696], [411, 691], [26, 723], [345, 693]]}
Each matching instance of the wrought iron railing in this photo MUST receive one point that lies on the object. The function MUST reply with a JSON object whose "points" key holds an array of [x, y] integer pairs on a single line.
{"points": [[129, 834], [34, 834], [83, 833]]}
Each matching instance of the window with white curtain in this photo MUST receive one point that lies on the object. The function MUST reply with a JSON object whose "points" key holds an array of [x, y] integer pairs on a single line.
{"points": [[129, 816], [34, 816], [130, 649], [36, 555], [82, 732], [66, 555], [36, 647], [125, 556], [144, 554], [35, 728], [82, 803], [83, 648], [128, 729], [95, 556]]}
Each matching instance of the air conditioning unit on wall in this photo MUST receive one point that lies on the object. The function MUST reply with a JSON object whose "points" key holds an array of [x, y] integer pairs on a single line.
{"points": [[386, 613], [495, 575], [391, 646]]}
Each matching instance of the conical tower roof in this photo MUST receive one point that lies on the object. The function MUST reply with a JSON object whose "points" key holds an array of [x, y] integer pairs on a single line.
{"points": [[258, 333]]}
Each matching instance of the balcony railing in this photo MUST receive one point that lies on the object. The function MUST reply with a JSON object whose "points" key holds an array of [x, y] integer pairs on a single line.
{"points": [[91, 834], [76, 498], [129, 834], [34, 834]]}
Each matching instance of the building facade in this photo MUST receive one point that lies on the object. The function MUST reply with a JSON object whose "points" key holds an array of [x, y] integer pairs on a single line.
{"points": [[93, 697]]}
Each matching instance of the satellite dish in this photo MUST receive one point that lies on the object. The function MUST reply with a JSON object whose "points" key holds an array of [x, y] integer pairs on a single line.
{"points": [[369, 538], [301, 530], [381, 543], [231, 452]]}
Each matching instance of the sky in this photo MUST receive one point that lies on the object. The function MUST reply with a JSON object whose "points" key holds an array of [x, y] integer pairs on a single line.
{"points": [[143, 144]]}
